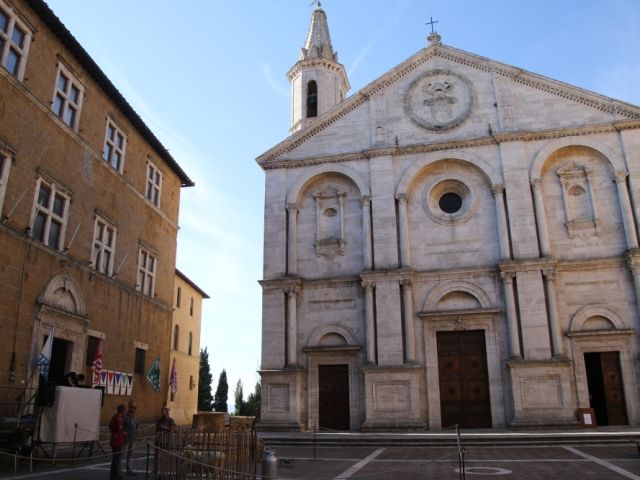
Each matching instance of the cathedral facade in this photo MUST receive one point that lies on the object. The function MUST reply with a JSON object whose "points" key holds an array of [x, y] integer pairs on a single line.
{"points": [[455, 243]]}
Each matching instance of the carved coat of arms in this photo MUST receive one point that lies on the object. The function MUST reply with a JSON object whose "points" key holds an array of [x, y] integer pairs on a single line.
{"points": [[439, 100]]}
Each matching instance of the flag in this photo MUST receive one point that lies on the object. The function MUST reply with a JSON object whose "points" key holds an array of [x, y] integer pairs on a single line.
{"points": [[44, 359], [96, 366], [153, 375], [173, 378]]}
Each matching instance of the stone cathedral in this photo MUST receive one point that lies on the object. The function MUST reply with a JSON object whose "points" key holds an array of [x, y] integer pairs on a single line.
{"points": [[455, 243]]}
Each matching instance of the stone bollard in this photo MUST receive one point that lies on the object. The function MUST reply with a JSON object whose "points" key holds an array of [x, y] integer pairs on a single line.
{"points": [[269, 464]]}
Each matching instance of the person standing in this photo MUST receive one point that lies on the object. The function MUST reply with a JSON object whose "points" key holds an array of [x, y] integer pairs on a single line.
{"points": [[165, 423], [131, 429], [118, 434]]}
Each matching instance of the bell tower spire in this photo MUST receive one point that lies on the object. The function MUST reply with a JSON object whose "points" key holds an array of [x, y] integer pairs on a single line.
{"points": [[318, 81]]}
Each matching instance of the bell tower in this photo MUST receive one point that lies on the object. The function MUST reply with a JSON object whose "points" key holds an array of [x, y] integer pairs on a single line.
{"points": [[318, 81]]}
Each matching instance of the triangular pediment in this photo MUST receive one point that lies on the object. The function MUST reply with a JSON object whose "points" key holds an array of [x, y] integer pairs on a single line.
{"points": [[443, 95]]}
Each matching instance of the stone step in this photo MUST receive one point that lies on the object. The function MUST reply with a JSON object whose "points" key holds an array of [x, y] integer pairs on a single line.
{"points": [[283, 439]]}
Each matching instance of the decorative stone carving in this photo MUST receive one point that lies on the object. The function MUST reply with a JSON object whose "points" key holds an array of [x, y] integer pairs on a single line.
{"points": [[439, 100], [579, 201], [330, 241]]}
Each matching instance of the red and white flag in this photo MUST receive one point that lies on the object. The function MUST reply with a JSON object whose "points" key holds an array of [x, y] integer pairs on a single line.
{"points": [[96, 366], [173, 378]]}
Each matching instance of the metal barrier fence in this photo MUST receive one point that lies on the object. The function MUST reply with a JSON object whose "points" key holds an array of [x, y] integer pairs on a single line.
{"points": [[16, 401], [222, 455]]}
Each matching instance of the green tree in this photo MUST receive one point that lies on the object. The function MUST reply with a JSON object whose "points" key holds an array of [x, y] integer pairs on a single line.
{"points": [[222, 393], [239, 399], [205, 379], [252, 405]]}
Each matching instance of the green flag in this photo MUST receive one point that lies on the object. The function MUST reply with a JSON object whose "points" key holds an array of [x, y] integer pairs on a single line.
{"points": [[153, 375]]}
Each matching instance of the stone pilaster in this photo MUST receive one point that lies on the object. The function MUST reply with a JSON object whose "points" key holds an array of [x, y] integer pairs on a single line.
{"points": [[503, 233], [292, 239], [625, 208], [541, 217], [409, 324], [403, 229], [511, 313], [549, 274], [366, 233], [370, 322]]}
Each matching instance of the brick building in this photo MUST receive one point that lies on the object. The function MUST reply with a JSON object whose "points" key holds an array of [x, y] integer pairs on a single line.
{"points": [[185, 348], [89, 200], [455, 243]]}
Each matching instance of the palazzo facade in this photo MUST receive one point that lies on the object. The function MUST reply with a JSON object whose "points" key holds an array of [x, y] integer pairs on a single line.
{"points": [[455, 243]]}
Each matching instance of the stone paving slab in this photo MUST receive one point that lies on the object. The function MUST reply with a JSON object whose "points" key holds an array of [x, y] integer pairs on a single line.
{"points": [[584, 462]]}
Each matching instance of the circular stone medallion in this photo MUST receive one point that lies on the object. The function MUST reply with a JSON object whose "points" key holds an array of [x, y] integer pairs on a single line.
{"points": [[439, 100]]}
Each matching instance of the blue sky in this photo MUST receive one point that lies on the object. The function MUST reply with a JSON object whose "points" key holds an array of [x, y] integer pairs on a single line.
{"points": [[209, 78]]}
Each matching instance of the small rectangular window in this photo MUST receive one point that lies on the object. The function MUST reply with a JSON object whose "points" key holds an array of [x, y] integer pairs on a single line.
{"points": [[92, 348], [191, 307], [146, 272], [154, 184], [139, 361], [67, 97], [50, 212], [114, 146], [15, 38], [104, 246]]}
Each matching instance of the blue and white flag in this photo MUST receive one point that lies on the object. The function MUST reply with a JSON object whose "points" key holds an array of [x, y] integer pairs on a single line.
{"points": [[44, 359]]}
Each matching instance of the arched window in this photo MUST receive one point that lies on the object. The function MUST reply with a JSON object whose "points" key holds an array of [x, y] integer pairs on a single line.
{"points": [[179, 297], [312, 99], [190, 344], [191, 307], [176, 337]]}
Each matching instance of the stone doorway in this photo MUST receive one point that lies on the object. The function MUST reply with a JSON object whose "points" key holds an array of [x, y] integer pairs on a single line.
{"points": [[61, 351], [606, 392], [464, 379], [333, 402]]}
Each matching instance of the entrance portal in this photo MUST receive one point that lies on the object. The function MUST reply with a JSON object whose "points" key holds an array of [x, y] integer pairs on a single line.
{"points": [[60, 354], [606, 393], [464, 381], [333, 384]]}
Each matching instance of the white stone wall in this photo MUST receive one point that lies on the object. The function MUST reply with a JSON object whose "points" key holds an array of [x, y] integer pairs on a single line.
{"points": [[542, 256]]}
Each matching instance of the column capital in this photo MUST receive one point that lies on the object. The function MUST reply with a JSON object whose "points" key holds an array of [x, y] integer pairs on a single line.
{"points": [[368, 284], [406, 283], [365, 200], [620, 176], [498, 189], [536, 183], [292, 207], [633, 260], [549, 272], [401, 197], [507, 276]]}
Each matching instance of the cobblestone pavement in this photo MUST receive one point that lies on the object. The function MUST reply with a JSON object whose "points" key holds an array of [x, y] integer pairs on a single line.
{"points": [[407, 463]]}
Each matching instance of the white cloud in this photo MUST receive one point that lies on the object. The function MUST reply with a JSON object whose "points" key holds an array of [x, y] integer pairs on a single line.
{"points": [[279, 87]]}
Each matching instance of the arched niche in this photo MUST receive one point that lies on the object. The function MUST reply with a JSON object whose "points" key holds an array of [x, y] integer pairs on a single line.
{"points": [[309, 175], [492, 176], [332, 334], [63, 293], [615, 162], [596, 318], [466, 291]]}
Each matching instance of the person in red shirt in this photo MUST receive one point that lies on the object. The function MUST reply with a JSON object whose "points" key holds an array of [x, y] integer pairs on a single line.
{"points": [[116, 427]]}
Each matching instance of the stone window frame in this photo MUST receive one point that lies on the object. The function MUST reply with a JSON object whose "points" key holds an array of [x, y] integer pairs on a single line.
{"points": [[62, 102], [115, 145], [55, 191], [102, 247], [325, 199], [5, 168], [153, 189], [147, 268], [441, 185], [176, 338], [139, 363], [10, 44], [571, 176]]}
